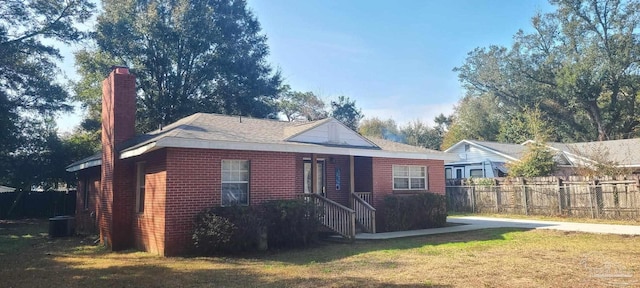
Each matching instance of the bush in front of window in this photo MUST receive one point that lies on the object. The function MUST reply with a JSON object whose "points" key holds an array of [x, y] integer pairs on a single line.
{"points": [[229, 229], [290, 223], [412, 212], [233, 229]]}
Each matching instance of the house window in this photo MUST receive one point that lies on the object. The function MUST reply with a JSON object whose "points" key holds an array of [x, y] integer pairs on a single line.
{"points": [[447, 173], [85, 194], [407, 177], [476, 173], [140, 187], [467, 147], [235, 182]]}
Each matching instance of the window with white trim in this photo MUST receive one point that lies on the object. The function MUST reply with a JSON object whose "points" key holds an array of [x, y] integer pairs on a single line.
{"points": [[235, 182], [409, 177], [140, 187]]}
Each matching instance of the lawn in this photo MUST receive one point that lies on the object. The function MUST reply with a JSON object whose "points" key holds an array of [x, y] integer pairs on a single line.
{"points": [[485, 258], [552, 218]]}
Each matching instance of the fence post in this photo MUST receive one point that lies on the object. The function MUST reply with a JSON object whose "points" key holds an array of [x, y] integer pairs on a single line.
{"points": [[497, 192], [524, 196], [559, 196], [591, 201], [597, 192], [473, 198]]}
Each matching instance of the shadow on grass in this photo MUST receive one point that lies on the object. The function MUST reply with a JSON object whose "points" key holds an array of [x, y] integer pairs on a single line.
{"points": [[75, 262], [328, 252]]}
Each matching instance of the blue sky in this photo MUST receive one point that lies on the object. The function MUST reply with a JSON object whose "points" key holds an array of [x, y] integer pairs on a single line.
{"points": [[395, 58]]}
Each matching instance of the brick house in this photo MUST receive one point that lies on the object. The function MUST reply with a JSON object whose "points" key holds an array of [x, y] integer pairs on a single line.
{"points": [[144, 191]]}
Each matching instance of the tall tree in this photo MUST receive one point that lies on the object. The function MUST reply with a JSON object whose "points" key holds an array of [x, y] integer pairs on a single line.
{"points": [[475, 118], [385, 129], [580, 65], [529, 125], [346, 111], [29, 92], [297, 105], [188, 55], [418, 133]]}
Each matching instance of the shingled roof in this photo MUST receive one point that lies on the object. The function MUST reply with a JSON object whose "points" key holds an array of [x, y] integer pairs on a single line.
{"points": [[513, 150], [622, 152], [215, 131]]}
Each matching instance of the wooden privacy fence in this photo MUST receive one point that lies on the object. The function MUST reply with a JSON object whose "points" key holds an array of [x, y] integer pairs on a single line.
{"points": [[610, 197], [37, 204]]}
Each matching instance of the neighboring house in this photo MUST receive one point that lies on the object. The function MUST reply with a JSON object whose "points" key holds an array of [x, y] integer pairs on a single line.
{"points": [[145, 191], [5, 189], [617, 153], [488, 159], [481, 159]]}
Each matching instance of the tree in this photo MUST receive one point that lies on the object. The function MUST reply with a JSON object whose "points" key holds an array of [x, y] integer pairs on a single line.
{"points": [[345, 111], [537, 161], [387, 129], [579, 65], [443, 123], [418, 133], [474, 118], [29, 94], [188, 55], [528, 125], [301, 105]]}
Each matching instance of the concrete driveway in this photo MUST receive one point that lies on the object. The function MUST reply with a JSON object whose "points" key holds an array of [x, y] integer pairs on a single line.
{"points": [[477, 223], [490, 222]]}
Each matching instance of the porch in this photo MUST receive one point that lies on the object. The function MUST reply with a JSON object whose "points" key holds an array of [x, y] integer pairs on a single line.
{"points": [[342, 215]]}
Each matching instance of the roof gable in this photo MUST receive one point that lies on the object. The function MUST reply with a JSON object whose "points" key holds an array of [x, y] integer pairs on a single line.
{"points": [[505, 150], [330, 132]]}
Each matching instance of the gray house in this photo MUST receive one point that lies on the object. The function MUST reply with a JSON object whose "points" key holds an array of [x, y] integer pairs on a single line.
{"points": [[482, 159]]}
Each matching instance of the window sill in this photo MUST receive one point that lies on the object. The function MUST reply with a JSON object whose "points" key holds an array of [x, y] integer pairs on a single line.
{"points": [[409, 191]]}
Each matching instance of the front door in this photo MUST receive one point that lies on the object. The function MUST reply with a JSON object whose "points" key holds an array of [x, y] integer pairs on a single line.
{"points": [[459, 172], [308, 180]]}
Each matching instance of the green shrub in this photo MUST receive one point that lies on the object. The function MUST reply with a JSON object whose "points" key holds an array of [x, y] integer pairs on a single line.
{"points": [[414, 211], [290, 223], [226, 230]]}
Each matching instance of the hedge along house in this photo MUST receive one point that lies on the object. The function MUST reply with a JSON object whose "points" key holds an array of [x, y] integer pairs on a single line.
{"points": [[144, 191]]}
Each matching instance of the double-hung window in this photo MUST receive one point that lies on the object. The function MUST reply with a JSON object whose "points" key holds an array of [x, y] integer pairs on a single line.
{"points": [[409, 177], [235, 182]]}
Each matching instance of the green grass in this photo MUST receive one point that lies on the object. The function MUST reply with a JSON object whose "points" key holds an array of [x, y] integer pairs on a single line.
{"points": [[17, 235], [484, 258], [551, 218]]}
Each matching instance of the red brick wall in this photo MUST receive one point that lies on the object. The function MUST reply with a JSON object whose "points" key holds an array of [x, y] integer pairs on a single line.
{"points": [[193, 179], [149, 226], [85, 217], [383, 181], [115, 205], [383, 177]]}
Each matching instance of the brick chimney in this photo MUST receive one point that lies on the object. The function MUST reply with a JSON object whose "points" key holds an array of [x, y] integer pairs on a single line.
{"points": [[117, 197]]}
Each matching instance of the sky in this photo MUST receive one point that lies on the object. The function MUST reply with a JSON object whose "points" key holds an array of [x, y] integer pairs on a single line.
{"points": [[394, 58]]}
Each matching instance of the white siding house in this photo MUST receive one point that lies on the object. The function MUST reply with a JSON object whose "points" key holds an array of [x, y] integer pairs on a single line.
{"points": [[481, 159]]}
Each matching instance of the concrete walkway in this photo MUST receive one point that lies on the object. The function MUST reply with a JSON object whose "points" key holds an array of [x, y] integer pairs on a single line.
{"points": [[477, 223]]}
